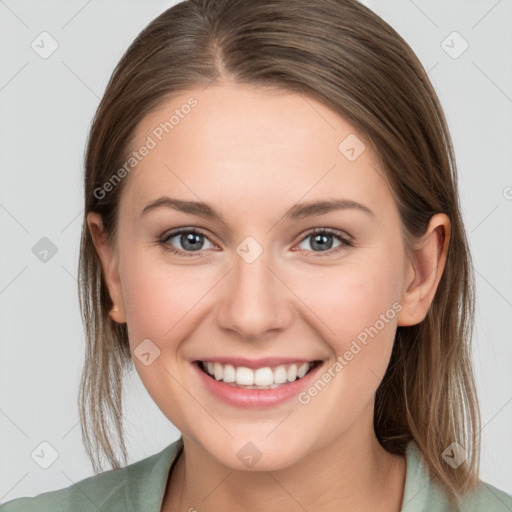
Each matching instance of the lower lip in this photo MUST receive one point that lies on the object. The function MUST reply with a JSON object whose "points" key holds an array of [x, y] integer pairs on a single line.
{"points": [[255, 398]]}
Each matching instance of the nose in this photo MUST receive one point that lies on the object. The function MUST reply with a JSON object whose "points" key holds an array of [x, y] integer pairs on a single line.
{"points": [[255, 301]]}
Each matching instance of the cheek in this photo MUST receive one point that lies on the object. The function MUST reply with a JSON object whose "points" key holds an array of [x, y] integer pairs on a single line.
{"points": [[160, 298], [352, 297], [162, 302], [355, 308], [357, 305]]}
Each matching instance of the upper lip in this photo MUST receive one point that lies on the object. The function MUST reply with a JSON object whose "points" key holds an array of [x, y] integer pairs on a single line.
{"points": [[256, 363]]}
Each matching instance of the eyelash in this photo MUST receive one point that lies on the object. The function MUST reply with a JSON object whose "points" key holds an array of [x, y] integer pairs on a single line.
{"points": [[163, 241]]}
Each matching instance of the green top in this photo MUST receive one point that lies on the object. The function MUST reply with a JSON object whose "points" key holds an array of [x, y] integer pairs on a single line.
{"points": [[140, 487]]}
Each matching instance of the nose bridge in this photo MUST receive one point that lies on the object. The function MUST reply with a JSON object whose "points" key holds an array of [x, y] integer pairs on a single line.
{"points": [[254, 300]]}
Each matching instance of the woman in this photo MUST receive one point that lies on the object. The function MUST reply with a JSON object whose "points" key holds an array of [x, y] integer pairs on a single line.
{"points": [[272, 235]]}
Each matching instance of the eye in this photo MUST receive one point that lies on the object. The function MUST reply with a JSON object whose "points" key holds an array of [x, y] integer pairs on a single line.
{"points": [[323, 239], [191, 240]]}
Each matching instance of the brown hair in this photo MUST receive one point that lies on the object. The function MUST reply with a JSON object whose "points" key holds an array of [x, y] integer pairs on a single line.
{"points": [[343, 55]]}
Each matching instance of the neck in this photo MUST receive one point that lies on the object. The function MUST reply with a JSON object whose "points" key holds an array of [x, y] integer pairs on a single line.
{"points": [[353, 470]]}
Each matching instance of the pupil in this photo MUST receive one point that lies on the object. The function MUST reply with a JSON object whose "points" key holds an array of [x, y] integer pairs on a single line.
{"points": [[322, 242], [191, 241]]}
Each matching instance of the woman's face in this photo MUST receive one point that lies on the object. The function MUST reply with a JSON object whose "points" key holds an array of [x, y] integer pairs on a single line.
{"points": [[258, 283]]}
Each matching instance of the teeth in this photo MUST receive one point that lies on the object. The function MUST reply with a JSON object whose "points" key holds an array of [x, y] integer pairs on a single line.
{"points": [[291, 374], [244, 376], [229, 373], [280, 374], [302, 370], [262, 378]]}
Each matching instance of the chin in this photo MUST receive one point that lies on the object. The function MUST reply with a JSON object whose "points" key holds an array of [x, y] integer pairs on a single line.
{"points": [[256, 453]]}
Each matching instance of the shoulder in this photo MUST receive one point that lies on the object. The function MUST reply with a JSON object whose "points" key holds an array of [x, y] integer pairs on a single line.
{"points": [[486, 498], [423, 494], [142, 482], [489, 498]]}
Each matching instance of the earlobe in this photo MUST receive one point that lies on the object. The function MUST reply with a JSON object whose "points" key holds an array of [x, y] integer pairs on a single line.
{"points": [[109, 266], [426, 269], [113, 312]]}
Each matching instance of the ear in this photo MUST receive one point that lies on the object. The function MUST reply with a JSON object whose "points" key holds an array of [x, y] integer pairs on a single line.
{"points": [[425, 271], [109, 263]]}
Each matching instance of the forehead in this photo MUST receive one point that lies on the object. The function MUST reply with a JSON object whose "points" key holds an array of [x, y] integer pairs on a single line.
{"points": [[236, 141]]}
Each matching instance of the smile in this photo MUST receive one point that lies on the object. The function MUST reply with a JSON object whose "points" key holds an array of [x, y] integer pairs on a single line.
{"points": [[268, 377], [255, 384]]}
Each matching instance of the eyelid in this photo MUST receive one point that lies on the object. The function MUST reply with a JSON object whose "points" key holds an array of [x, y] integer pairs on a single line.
{"points": [[187, 229], [342, 235]]}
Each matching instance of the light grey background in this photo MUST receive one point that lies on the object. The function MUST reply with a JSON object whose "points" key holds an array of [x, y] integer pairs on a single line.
{"points": [[46, 109]]}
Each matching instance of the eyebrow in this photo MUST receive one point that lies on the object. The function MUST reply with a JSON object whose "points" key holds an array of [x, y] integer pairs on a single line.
{"points": [[298, 211]]}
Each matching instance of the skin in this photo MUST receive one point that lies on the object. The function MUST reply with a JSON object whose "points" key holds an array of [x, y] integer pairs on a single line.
{"points": [[252, 154]]}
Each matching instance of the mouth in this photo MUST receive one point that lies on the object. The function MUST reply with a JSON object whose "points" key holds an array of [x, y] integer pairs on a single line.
{"points": [[267, 377]]}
